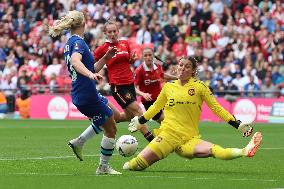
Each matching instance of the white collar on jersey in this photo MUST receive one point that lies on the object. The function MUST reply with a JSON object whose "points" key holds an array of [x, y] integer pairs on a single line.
{"points": [[146, 67], [108, 41], [77, 36]]}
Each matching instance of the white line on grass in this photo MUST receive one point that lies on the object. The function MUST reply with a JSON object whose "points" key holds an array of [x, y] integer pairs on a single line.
{"points": [[89, 175], [67, 157], [46, 158], [142, 176], [156, 176], [237, 179], [245, 179], [271, 148]]}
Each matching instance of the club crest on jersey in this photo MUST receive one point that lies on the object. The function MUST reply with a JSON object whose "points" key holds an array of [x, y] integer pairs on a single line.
{"points": [[76, 47], [128, 96], [123, 45], [191, 91], [96, 118], [159, 139]]}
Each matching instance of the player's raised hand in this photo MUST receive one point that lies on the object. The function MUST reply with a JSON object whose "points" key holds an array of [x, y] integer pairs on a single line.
{"points": [[134, 124], [246, 129], [133, 57], [111, 52]]}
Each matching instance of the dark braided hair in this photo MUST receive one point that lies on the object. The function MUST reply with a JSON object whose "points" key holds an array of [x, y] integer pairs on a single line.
{"points": [[194, 63]]}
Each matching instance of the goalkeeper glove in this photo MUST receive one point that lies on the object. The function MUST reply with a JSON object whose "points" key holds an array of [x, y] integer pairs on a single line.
{"points": [[245, 128], [136, 123]]}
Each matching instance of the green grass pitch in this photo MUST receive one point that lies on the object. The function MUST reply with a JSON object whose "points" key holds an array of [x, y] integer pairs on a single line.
{"points": [[34, 154]]}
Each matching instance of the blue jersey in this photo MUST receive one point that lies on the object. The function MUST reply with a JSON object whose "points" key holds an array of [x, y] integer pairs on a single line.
{"points": [[83, 88]]}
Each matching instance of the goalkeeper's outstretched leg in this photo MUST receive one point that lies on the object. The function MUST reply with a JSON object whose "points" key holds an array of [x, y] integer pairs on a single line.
{"points": [[197, 148], [232, 153]]}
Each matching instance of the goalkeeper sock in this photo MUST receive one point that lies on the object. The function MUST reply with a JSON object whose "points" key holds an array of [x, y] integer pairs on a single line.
{"points": [[107, 146], [149, 136], [138, 163], [226, 153], [91, 131]]}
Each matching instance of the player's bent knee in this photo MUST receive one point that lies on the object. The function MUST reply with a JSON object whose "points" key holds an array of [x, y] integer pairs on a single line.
{"points": [[110, 129], [136, 110], [202, 150], [113, 130], [187, 150], [139, 111], [184, 152]]}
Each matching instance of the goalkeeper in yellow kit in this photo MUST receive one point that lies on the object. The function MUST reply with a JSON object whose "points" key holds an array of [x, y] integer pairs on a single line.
{"points": [[182, 101]]}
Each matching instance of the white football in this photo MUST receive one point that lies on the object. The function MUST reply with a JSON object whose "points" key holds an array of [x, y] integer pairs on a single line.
{"points": [[126, 145]]}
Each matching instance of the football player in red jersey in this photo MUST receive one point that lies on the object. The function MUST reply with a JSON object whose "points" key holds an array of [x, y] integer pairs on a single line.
{"points": [[148, 81], [121, 77]]}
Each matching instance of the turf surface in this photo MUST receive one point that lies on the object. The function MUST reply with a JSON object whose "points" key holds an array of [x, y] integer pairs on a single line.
{"points": [[34, 154]]}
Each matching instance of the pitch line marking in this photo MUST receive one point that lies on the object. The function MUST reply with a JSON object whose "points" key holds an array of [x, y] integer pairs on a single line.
{"points": [[280, 148], [47, 157], [141, 176], [72, 156]]}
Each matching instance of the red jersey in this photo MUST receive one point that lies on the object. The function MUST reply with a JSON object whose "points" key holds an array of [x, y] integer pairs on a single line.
{"points": [[118, 67], [149, 81]]}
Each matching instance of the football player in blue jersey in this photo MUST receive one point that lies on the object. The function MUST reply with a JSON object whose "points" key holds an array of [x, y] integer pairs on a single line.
{"points": [[81, 66]]}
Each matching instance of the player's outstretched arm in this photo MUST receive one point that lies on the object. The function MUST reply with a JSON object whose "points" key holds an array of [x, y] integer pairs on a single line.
{"points": [[212, 103], [76, 61], [109, 54]]}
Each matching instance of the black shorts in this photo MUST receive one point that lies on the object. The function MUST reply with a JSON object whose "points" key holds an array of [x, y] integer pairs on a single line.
{"points": [[147, 105], [123, 94]]}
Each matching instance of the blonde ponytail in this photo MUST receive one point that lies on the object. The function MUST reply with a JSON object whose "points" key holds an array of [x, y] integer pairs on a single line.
{"points": [[72, 20]]}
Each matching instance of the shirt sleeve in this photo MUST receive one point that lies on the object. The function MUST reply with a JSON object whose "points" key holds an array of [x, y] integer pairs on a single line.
{"points": [[158, 104], [98, 53], [212, 103], [78, 47]]}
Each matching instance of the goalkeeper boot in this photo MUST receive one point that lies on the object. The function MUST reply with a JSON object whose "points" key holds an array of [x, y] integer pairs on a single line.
{"points": [[77, 146], [106, 170], [253, 145]]}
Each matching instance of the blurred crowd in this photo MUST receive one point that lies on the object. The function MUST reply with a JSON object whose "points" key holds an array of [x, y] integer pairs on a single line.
{"points": [[239, 43]]}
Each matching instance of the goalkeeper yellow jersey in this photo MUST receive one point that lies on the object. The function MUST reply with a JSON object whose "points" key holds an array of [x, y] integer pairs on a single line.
{"points": [[182, 107]]}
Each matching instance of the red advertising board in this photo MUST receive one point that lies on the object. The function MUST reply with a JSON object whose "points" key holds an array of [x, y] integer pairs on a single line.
{"points": [[246, 109], [61, 107]]}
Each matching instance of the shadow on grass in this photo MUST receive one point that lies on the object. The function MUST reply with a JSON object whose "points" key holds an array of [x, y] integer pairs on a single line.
{"points": [[218, 172]]}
